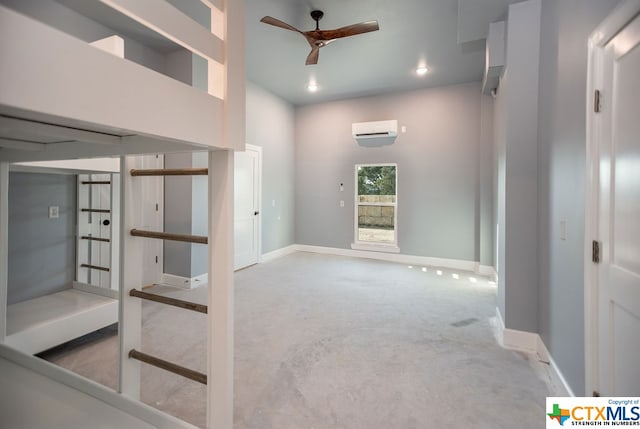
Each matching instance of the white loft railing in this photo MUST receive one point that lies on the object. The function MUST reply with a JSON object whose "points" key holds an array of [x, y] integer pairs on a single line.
{"points": [[124, 108], [146, 111]]}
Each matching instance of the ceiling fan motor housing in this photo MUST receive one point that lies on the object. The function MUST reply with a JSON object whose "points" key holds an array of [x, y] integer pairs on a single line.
{"points": [[317, 15]]}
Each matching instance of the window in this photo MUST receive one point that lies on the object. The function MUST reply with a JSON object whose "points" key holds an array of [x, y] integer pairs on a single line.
{"points": [[376, 207]]}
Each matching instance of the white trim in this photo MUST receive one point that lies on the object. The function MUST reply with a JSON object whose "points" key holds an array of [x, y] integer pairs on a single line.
{"points": [[375, 247], [513, 339], [371, 245], [558, 381], [278, 253], [520, 340], [4, 247], [184, 282], [454, 264], [532, 343], [60, 375], [489, 271], [606, 30]]}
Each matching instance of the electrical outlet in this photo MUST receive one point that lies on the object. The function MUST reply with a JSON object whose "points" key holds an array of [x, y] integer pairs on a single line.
{"points": [[563, 230], [341, 203], [54, 212], [273, 203]]}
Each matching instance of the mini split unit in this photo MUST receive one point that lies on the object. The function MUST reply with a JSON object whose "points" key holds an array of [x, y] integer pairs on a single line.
{"points": [[373, 134]]}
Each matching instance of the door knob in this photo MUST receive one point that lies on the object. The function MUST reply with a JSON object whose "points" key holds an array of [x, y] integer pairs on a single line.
{"points": [[256, 213], [106, 222]]}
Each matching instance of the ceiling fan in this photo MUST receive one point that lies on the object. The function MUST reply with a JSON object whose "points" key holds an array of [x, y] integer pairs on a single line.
{"points": [[320, 38]]}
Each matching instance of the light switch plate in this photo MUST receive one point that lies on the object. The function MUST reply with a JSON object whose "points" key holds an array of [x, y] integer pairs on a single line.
{"points": [[563, 230], [54, 212]]}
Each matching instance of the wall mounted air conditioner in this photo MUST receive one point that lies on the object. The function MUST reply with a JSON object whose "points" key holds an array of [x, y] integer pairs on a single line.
{"points": [[378, 133], [495, 57]]}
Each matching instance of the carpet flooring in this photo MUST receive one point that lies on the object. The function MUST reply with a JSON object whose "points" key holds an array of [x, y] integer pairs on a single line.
{"points": [[332, 342]]}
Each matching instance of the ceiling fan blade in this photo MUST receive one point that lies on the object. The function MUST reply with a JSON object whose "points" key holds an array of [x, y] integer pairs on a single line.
{"points": [[313, 55], [349, 30], [276, 22]]}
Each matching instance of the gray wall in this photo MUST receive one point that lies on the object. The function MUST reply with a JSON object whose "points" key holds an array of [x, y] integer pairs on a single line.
{"points": [[41, 250], [177, 216], [185, 212], [271, 124], [518, 93], [439, 207], [566, 26]]}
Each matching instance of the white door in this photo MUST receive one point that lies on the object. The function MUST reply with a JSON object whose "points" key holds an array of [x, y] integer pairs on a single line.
{"points": [[618, 302], [247, 207]]}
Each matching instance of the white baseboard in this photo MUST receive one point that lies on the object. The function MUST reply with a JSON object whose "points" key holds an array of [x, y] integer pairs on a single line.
{"points": [[530, 342], [184, 282], [557, 379], [278, 253], [513, 339], [489, 271], [454, 264]]}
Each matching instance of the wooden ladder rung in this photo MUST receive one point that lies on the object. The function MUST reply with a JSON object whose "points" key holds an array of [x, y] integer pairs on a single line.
{"points": [[96, 210], [94, 267], [171, 172], [168, 366], [96, 182], [88, 237], [187, 305], [200, 239]]}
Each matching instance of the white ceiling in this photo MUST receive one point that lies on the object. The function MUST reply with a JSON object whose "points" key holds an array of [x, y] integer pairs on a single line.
{"points": [[411, 31]]}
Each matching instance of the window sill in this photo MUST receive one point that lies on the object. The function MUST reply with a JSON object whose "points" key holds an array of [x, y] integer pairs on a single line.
{"points": [[376, 247]]}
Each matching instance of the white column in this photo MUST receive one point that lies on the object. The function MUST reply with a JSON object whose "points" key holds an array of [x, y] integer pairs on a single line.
{"points": [[235, 79], [4, 246], [220, 317], [130, 321]]}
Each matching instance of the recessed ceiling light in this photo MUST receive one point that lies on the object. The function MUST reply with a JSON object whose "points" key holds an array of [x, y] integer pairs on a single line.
{"points": [[312, 87], [421, 71]]}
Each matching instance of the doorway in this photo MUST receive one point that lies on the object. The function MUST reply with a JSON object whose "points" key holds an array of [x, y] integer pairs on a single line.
{"points": [[612, 245], [247, 189]]}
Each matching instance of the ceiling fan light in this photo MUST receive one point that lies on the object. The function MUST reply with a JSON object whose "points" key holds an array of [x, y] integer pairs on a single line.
{"points": [[422, 70]]}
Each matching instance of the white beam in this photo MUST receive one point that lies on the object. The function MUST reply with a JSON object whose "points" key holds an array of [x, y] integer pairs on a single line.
{"points": [[4, 246], [234, 98], [130, 321], [220, 317]]}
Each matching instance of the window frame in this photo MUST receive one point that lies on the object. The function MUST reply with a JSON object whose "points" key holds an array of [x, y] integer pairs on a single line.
{"points": [[379, 246]]}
